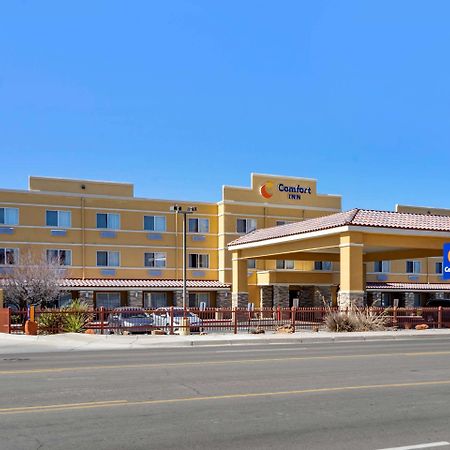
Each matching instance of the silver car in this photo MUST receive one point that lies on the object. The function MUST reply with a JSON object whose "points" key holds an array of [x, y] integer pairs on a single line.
{"points": [[131, 320]]}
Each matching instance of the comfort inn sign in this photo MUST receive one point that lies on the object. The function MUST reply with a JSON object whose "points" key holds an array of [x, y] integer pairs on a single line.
{"points": [[446, 262]]}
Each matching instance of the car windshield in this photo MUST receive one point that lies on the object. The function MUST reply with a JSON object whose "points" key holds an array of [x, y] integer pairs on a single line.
{"points": [[180, 313], [134, 315]]}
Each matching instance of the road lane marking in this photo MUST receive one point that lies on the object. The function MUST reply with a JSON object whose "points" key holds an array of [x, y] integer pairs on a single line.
{"points": [[268, 350], [64, 405], [418, 446], [115, 403], [211, 363]]}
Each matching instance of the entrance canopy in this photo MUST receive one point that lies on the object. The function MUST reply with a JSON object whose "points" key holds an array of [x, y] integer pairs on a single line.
{"points": [[352, 238]]}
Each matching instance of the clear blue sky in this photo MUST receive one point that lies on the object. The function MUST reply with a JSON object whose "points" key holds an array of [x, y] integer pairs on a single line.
{"points": [[180, 97]]}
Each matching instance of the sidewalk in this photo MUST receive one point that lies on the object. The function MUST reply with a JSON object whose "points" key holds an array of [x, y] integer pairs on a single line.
{"points": [[15, 344]]}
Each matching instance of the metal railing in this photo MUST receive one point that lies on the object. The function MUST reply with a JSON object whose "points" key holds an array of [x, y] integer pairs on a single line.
{"points": [[210, 320]]}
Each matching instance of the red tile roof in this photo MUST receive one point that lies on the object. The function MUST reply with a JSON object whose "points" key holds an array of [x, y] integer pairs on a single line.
{"points": [[354, 217], [124, 283], [392, 286], [78, 283]]}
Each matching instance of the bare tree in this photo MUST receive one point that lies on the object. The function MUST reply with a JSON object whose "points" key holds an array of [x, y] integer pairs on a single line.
{"points": [[35, 281]]}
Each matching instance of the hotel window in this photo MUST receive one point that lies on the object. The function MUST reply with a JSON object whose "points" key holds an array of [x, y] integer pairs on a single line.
{"points": [[155, 300], [9, 256], [251, 263], [198, 261], [439, 267], [412, 266], [381, 266], [246, 225], [108, 221], [285, 264], [108, 259], [155, 259], [196, 298], [61, 257], [283, 222], [60, 219], [9, 216], [107, 299], [322, 265], [155, 223], [198, 225]]}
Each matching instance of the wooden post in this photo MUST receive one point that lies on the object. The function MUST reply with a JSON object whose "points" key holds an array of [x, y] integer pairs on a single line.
{"points": [[1, 298], [293, 316], [440, 317], [32, 313], [235, 320], [102, 320], [171, 320]]}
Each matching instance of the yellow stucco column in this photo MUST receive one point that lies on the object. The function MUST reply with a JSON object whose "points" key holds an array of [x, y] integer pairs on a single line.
{"points": [[239, 290], [351, 287], [334, 296], [1, 299]]}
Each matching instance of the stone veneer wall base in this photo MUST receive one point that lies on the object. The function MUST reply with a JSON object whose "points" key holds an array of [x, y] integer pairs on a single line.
{"points": [[239, 299], [349, 299]]}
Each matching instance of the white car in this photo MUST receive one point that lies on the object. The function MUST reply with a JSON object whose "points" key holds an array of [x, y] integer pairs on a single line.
{"points": [[161, 318]]}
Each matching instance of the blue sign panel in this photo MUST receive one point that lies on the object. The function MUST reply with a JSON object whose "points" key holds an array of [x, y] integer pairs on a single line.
{"points": [[446, 262]]}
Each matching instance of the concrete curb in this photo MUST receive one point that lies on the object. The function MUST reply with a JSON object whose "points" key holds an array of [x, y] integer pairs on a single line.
{"points": [[14, 344]]}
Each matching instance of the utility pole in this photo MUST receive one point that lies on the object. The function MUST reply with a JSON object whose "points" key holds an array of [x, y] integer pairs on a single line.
{"points": [[179, 210]]}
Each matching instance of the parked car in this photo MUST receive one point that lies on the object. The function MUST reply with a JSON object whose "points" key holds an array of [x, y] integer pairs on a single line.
{"points": [[132, 320], [161, 318]]}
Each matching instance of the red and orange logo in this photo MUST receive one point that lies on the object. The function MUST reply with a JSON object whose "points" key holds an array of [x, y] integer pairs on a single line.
{"points": [[266, 189]]}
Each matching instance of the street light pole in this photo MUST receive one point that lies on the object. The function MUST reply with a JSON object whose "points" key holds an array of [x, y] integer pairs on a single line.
{"points": [[179, 210]]}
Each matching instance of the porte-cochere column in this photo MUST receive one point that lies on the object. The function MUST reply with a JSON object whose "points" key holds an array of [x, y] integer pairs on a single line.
{"points": [[239, 293], [351, 292]]}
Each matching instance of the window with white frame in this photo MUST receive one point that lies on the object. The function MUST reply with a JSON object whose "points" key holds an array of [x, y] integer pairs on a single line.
{"points": [[285, 264], [197, 298], [322, 265], [110, 221], [198, 261], [439, 265], [59, 256], [155, 300], [9, 216], [412, 266], [251, 263], [245, 226], [381, 266], [155, 259], [108, 259], [196, 225], [108, 300], [59, 219], [9, 256], [155, 223]]}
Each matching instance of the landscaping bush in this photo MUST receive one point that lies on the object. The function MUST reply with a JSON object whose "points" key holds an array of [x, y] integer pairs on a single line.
{"points": [[50, 322], [76, 316], [355, 319], [70, 319]]}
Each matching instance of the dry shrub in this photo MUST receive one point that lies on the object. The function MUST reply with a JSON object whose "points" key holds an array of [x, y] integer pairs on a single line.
{"points": [[355, 319]]}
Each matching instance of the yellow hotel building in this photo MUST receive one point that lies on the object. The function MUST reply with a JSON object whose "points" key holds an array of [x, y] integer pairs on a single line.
{"points": [[118, 249]]}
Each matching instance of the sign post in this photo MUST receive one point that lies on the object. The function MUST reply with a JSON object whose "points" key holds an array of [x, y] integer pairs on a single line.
{"points": [[446, 262]]}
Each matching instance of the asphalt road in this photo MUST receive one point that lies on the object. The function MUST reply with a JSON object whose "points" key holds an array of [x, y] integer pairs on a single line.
{"points": [[356, 395]]}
